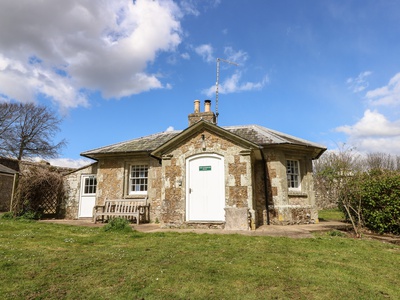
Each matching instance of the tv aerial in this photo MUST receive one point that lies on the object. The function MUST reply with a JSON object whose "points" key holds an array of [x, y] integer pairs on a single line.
{"points": [[217, 83]]}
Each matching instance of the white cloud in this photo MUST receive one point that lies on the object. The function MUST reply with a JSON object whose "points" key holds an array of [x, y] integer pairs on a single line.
{"points": [[170, 128], [388, 95], [185, 55], [372, 123], [206, 52], [66, 162], [234, 85], [374, 133], [24, 83], [90, 45], [189, 7], [359, 83], [385, 145], [238, 57]]}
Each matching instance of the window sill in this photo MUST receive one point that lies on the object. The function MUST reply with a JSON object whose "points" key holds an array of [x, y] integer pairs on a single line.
{"points": [[297, 194], [136, 196]]}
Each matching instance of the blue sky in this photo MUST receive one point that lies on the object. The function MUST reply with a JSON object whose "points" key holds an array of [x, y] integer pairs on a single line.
{"points": [[326, 71]]}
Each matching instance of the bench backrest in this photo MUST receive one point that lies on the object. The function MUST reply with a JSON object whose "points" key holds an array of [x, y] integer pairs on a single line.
{"points": [[124, 205]]}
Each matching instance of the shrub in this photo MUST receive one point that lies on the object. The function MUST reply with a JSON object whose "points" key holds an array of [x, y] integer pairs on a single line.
{"points": [[374, 199], [118, 224], [7, 216], [29, 215]]}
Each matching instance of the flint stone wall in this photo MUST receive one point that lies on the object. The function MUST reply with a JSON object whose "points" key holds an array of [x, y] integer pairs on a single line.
{"points": [[286, 206], [73, 188], [238, 176]]}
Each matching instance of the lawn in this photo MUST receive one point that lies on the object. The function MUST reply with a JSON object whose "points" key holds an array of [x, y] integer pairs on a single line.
{"points": [[330, 215], [50, 261]]}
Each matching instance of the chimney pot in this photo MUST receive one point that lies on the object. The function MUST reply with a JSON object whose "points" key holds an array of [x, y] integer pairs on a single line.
{"points": [[196, 106], [207, 105]]}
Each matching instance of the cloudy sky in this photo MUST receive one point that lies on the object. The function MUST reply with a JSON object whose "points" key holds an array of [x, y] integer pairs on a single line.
{"points": [[326, 71]]}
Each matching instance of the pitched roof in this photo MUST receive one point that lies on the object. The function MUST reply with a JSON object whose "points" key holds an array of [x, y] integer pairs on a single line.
{"points": [[264, 136], [253, 133], [6, 170], [146, 143]]}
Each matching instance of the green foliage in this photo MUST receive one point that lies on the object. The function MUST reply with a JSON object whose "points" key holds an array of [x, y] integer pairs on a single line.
{"points": [[30, 215], [7, 216], [24, 216], [374, 199], [118, 224]]}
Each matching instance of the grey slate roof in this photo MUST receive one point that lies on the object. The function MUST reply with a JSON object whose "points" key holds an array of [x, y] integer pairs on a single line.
{"points": [[254, 133], [263, 136], [146, 143]]}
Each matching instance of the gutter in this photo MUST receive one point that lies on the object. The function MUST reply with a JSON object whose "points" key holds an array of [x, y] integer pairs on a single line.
{"points": [[264, 162]]}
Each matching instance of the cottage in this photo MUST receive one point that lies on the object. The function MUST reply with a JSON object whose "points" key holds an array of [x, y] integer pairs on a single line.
{"points": [[236, 177]]}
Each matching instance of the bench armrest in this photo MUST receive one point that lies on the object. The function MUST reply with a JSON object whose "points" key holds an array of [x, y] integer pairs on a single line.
{"points": [[97, 209]]}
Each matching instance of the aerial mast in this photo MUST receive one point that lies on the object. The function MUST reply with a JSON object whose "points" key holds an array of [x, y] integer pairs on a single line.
{"points": [[216, 85]]}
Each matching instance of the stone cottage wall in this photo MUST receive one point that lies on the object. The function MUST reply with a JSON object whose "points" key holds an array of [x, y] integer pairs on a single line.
{"points": [[73, 187], [112, 181], [238, 176], [289, 207]]}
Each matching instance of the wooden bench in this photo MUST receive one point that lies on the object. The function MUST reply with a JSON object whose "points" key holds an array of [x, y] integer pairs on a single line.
{"points": [[125, 208]]}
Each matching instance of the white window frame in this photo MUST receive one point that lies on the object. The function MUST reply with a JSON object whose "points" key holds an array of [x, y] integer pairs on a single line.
{"points": [[293, 175], [141, 177], [89, 183]]}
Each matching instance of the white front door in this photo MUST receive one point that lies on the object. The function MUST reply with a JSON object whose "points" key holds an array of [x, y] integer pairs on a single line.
{"points": [[88, 196], [205, 189]]}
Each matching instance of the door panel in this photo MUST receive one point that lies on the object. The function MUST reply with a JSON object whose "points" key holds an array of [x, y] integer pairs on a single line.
{"points": [[88, 196], [205, 188]]}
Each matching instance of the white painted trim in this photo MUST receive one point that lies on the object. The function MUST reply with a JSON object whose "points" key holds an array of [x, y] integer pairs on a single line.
{"points": [[187, 188], [82, 194]]}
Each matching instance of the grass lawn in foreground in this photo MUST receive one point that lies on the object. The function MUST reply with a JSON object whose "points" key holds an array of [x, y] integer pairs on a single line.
{"points": [[51, 261]]}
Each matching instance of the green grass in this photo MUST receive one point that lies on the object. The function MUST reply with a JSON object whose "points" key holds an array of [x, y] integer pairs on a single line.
{"points": [[49, 261], [330, 215]]}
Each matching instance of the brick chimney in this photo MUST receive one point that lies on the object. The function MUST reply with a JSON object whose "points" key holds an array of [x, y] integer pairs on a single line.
{"points": [[207, 115]]}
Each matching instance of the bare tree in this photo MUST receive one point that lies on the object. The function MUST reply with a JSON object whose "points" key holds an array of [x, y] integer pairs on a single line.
{"points": [[8, 115], [380, 161], [30, 132], [331, 171]]}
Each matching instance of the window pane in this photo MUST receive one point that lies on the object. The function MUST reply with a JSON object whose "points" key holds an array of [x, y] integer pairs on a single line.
{"points": [[89, 185], [138, 178], [292, 169]]}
